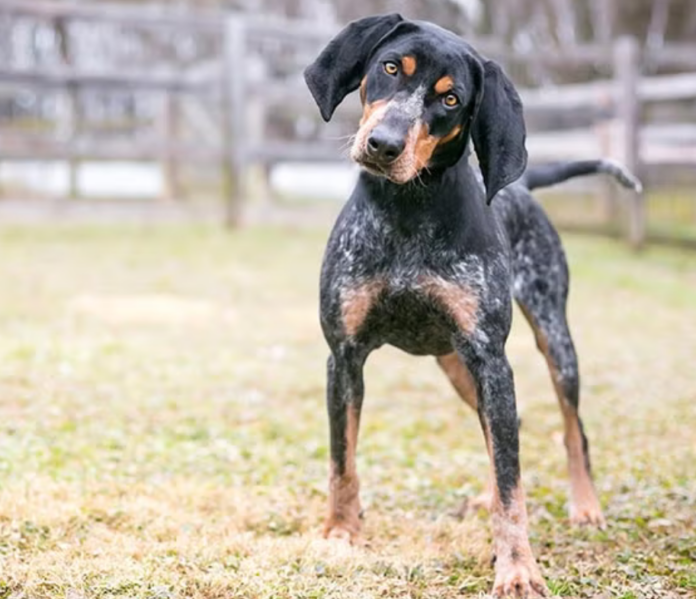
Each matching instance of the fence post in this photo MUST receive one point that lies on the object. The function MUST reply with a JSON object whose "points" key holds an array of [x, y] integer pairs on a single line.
{"points": [[71, 133], [257, 173], [605, 130], [168, 135], [627, 74], [234, 111]]}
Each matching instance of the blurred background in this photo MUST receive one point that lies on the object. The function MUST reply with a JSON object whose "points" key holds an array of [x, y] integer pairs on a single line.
{"points": [[196, 109]]}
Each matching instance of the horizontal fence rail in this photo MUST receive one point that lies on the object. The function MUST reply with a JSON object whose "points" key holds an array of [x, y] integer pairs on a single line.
{"points": [[62, 77], [248, 100]]}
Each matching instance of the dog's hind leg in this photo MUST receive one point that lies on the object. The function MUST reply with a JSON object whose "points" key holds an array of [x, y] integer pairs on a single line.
{"points": [[541, 290], [555, 343], [464, 385]]}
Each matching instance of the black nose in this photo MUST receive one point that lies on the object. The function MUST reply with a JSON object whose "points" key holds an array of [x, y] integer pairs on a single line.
{"points": [[384, 146]]}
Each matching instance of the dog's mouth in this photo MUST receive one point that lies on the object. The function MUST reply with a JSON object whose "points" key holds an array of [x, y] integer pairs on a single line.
{"points": [[373, 167], [395, 175]]}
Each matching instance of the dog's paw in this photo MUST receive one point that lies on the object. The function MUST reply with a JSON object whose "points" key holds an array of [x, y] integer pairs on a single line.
{"points": [[338, 533], [519, 580], [483, 501], [587, 513], [473, 504], [344, 533]]}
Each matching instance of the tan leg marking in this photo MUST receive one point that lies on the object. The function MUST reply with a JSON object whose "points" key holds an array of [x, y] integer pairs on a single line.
{"points": [[460, 377], [461, 302], [444, 84], [484, 501], [356, 304], [463, 382], [584, 505], [343, 520], [516, 571], [408, 65]]}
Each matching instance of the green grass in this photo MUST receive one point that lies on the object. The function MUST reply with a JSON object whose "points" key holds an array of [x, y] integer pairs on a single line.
{"points": [[163, 430]]}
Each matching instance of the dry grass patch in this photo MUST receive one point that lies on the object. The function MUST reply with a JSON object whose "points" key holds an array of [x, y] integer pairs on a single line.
{"points": [[163, 430]]}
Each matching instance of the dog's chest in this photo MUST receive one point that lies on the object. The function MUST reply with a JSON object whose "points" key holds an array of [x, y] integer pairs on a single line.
{"points": [[415, 309]]}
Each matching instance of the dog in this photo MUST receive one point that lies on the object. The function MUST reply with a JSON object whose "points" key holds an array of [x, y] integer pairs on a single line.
{"points": [[420, 259]]}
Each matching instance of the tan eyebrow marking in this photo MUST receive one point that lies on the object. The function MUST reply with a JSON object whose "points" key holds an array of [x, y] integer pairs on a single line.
{"points": [[444, 84], [408, 64]]}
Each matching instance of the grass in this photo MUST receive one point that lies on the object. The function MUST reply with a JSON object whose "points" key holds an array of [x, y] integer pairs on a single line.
{"points": [[163, 431]]}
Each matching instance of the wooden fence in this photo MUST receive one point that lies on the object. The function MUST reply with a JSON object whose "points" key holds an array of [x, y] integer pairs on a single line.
{"points": [[246, 102]]}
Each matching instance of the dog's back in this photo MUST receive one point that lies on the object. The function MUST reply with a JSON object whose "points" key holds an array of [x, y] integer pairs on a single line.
{"points": [[537, 255]]}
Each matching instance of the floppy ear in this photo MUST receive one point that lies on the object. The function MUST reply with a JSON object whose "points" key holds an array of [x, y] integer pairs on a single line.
{"points": [[498, 132], [341, 65], [477, 74]]}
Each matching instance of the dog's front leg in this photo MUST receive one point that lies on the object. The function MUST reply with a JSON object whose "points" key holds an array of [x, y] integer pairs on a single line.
{"points": [[516, 571], [345, 392]]}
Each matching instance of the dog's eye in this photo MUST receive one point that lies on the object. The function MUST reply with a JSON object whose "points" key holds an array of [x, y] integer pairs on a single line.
{"points": [[390, 68], [451, 100]]}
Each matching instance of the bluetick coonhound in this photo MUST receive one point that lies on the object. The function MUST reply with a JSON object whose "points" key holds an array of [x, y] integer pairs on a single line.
{"points": [[421, 259]]}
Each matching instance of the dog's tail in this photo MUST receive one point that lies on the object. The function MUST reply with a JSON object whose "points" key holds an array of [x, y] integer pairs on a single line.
{"points": [[556, 172]]}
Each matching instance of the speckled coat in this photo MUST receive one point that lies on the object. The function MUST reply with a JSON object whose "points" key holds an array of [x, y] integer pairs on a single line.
{"points": [[422, 260]]}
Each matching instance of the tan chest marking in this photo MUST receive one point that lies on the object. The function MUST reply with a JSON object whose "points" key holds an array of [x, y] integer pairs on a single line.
{"points": [[356, 304], [461, 302]]}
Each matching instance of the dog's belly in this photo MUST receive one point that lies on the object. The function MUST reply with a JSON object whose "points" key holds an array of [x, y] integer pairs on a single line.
{"points": [[409, 321]]}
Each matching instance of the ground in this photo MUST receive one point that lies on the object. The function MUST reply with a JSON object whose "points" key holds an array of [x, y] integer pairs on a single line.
{"points": [[163, 430]]}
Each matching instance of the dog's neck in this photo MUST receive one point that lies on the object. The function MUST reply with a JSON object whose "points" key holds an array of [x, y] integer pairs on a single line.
{"points": [[441, 190], [435, 206]]}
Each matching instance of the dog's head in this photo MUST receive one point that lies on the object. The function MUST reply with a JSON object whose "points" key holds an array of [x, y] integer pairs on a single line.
{"points": [[425, 93]]}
